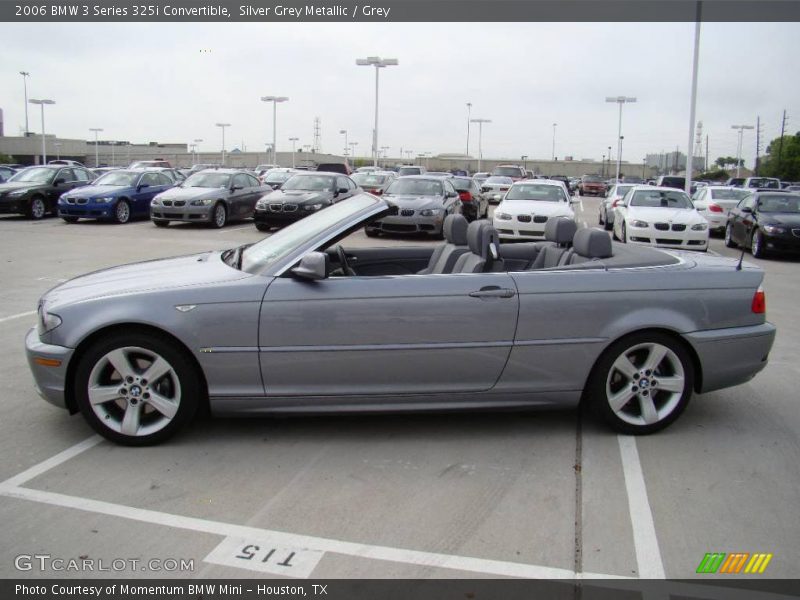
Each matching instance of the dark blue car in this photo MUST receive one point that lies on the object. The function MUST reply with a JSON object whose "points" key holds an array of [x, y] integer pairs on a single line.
{"points": [[117, 196]]}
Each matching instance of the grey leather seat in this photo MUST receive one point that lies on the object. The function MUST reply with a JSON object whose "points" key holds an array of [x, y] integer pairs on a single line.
{"points": [[559, 232], [482, 257], [445, 255], [589, 245]]}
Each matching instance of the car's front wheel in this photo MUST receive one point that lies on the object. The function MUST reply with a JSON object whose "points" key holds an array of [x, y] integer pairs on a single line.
{"points": [[641, 383], [220, 216], [136, 389], [757, 244], [122, 212], [729, 242], [263, 226], [160, 223], [70, 219], [624, 234], [37, 208]]}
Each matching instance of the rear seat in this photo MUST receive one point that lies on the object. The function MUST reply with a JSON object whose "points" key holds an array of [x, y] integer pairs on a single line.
{"points": [[558, 232], [445, 255], [482, 257]]}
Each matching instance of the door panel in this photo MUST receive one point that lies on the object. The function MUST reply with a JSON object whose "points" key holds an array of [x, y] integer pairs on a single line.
{"points": [[385, 335], [386, 261]]}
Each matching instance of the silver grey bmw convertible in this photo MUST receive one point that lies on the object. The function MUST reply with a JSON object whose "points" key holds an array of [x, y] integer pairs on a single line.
{"points": [[298, 324]]}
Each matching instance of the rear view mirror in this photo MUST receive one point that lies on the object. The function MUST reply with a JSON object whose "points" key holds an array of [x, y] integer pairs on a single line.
{"points": [[452, 195], [141, 186], [313, 266]]}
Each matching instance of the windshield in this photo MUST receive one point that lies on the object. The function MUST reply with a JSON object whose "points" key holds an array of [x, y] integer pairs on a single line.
{"points": [[309, 183], [117, 178], [415, 187], [282, 243], [35, 175], [764, 182], [732, 194], [779, 203], [507, 171], [536, 191], [461, 183], [591, 179], [365, 179], [498, 180], [277, 177], [207, 180], [621, 190], [661, 199]]}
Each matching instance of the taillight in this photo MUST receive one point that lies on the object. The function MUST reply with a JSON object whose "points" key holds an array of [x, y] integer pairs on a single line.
{"points": [[617, 201], [759, 304], [714, 208], [465, 196], [377, 191]]}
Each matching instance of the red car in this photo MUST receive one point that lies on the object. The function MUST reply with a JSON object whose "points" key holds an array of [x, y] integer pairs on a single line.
{"points": [[592, 184]]}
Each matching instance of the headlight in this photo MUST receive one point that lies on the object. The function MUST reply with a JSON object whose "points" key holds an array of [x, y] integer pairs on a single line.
{"points": [[18, 193], [206, 202], [700, 227], [62, 200], [312, 206], [773, 229], [637, 223], [103, 200], [502, 216], [261, 204], [430, 212], [46, 321]]}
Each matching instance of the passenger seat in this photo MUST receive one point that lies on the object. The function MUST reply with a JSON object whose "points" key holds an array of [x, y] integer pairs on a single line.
{"points": [[589, 245], [482, 257], [559, 231], [445, 255]]}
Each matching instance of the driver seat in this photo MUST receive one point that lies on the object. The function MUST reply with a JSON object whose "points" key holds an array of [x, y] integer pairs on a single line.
{"points": [[445, 255]]}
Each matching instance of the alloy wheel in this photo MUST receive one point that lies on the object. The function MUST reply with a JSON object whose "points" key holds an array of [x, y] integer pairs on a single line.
{"points": [[38, 208]]}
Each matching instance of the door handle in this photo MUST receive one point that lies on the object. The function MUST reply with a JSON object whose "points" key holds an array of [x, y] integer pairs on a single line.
{"points": [[493, 291]]}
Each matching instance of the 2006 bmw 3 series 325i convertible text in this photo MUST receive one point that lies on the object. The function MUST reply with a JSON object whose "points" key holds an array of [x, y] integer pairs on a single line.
{"points": [[299, 324]]}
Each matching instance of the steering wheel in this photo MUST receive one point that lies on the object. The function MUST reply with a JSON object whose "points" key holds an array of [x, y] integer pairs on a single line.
{"points": [[345, 266]]}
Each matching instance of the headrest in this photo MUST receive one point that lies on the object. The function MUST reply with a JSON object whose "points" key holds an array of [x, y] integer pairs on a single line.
{"points": [[592, 243], [482, 239], [455, 230], [560, 230]]}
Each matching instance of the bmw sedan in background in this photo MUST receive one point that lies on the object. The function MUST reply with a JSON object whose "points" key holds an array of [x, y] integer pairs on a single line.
{"points": [[474, 204], [374, 182], [34, 191], [764, 222], [275, 178], [211, 197], [117, 196], [423, 203], [495, 187], [610, 202], [714, 202], [526, 207], [660, 216], [303, 194], [480, 177]]}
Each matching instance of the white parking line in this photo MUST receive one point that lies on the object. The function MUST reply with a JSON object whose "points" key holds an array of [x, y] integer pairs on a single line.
{"points": [[50, 463], [17, 316], [248, 226], [645, 542]]}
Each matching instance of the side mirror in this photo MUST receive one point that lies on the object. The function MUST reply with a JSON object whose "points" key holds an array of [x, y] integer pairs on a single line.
{"points": [[235, 188], [452, 195], [141, 186], [747, 209], [59, 181], [313, 266], [342, 190]]}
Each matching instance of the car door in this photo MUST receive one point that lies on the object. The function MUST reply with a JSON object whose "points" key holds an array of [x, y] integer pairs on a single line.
{"points": [[743, 220], [254, 191], [62, 182], [343, 183], [389, 335], [239, 197]]}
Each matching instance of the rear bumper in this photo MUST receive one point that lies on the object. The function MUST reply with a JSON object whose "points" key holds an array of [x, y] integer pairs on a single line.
{"points": [[731, 356], [48, 381]]}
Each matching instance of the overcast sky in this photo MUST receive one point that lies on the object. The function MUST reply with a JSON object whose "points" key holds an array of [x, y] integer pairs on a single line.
{"points": [[152, 82]]}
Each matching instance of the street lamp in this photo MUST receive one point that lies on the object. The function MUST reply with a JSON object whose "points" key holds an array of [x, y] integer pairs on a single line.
{"points": [[197, 143], [353, 149], [379, 63], [25, 76], [58, 149], [293, 140], [554, 141], [524, 159], [274, 100], [223, 126], [96, 131], [42, 103], [619, 100], [344, 133], [603, 166], [741, 129], [385, 152], [480, 123], [469, 114]]}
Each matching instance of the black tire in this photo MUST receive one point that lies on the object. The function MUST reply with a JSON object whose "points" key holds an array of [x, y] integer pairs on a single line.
{"points": [[122, 212], [624, 239], [373, 233], [605, 377], [160, 223], [729, 241], [37, 208], [263, 226], [757, 244], [70, 219], [219, 216], [608, 226], [190, 390]]}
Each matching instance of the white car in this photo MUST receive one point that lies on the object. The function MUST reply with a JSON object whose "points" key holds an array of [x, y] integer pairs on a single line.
{"points": [[660, 216], [495, 187], [526, 207], [715, 201]]}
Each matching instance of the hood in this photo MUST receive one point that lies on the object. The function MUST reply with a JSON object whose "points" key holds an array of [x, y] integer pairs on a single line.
{"points": [[685, 216], [415, 202], [298, 196], [191, 193], [534, 207], [785, 219], [10, 186], [100, 191], [169, 273]]}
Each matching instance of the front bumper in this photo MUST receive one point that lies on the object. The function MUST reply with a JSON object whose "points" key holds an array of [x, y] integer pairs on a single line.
{"points": [[679, 240], [49, 381], [279, 215], [192, 214], [415, 223], [12, 206], [786, 242], [516, 230], [86, 211]]}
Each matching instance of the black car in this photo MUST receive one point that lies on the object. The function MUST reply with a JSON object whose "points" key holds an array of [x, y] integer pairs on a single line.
{"points": [[473, 203], [6, 173], [765, 221], [34, 191], [301, 195]]}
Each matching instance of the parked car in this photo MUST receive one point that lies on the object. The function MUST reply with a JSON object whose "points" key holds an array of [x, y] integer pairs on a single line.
{"points": [[438, 174], [592, 184], [301, 195], [175, 175], [202, 167], [368, 169], [474, 205], [771, 183], [792, 188], [671, 181], [66, 163], [116, 196], [411, 170], [374, 182], [528, 205], [765, 222], [298, 323], [714, 202], [211, 197], [480, 177], [275, 178], [735, 181], [422, 202], [515, 172], [143, 164], [612, 199], [34, 191], [660, 216], [6, 173], [495, 187], [342, 168]]}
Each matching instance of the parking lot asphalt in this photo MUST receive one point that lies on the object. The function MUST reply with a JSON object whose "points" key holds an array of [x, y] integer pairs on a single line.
{"points": [[549, 494]]}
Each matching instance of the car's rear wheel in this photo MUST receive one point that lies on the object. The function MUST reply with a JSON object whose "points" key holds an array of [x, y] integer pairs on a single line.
{"points": [[136, 389], [757, 244], [219, 217], [624, 234], [160, 223], [122, 212], [37, 208], [641, 383], [729, 242], [70, 219]]}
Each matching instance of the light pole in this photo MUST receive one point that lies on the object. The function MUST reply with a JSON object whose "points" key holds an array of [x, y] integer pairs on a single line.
{"points": [[41, 103], [197, 143], [619, 100], [293, 140], [353, 149], [25, 76], [223, 126], [469, 114], [385, 150], [480, 123], [113, 147], [379, 63], [274, 100], [603, 166], [554, 141], [408, 154], [741, 129], [344, 133], [58, 150], [96, 157]]}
